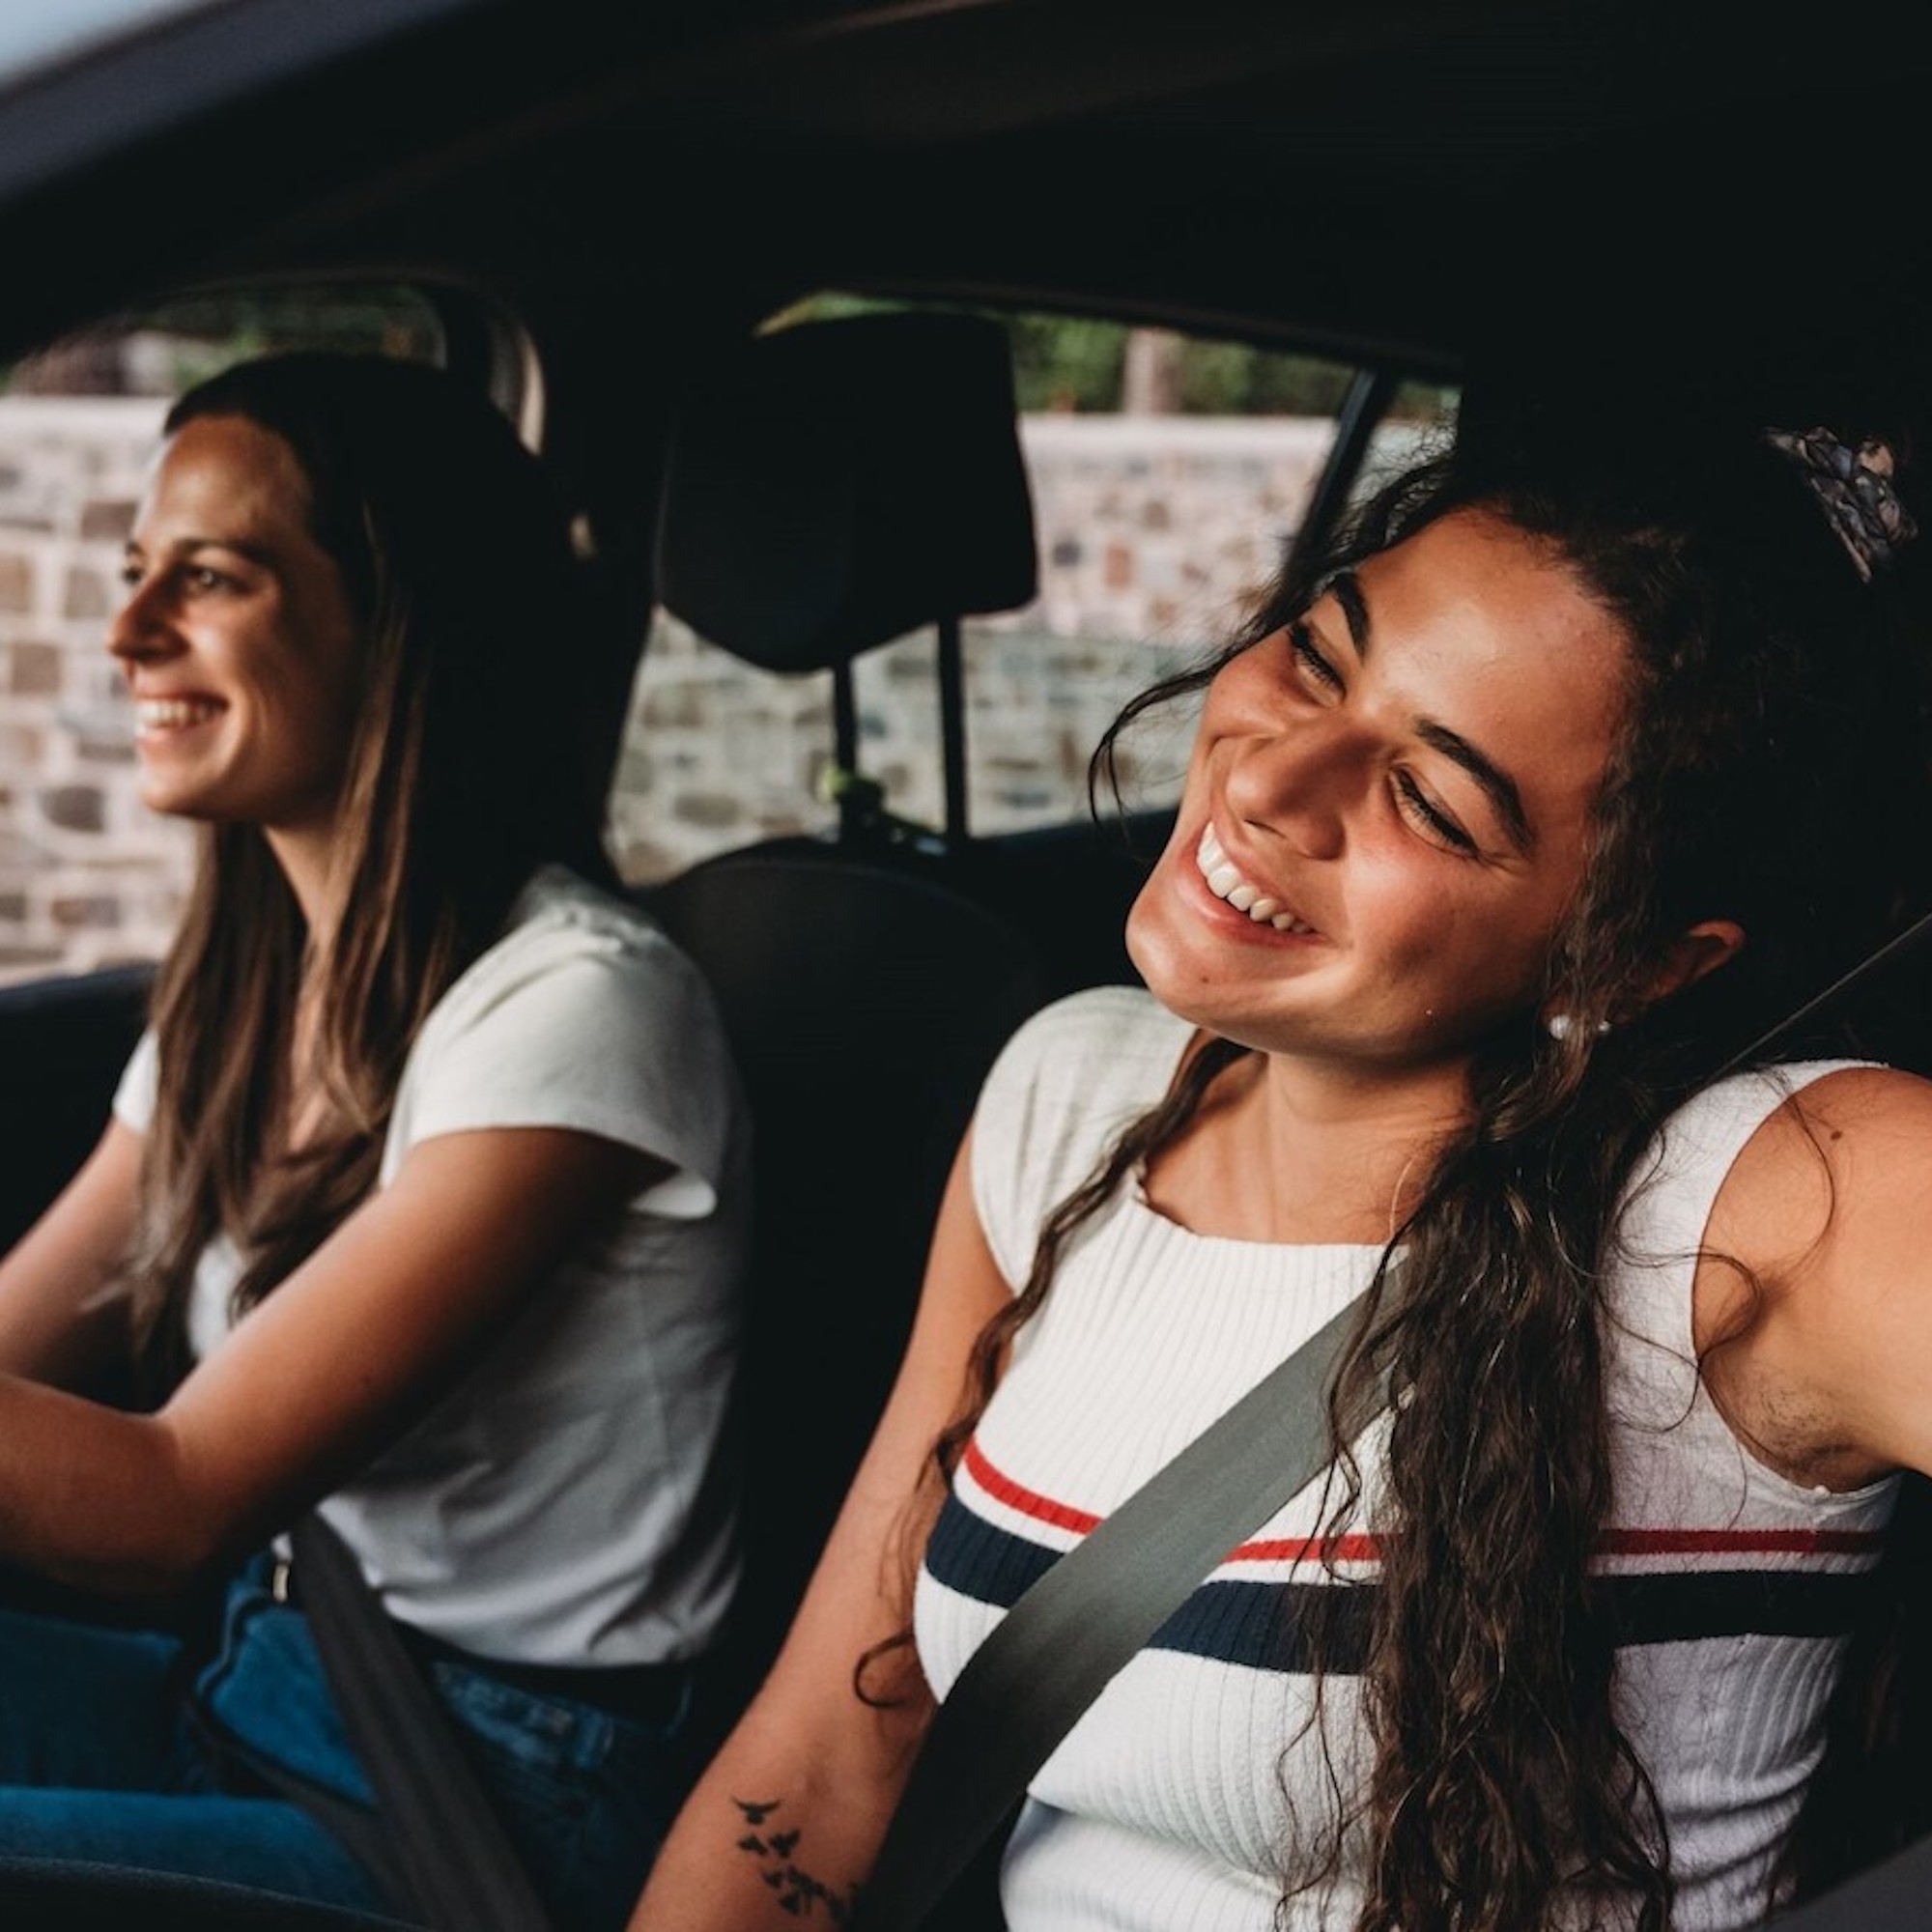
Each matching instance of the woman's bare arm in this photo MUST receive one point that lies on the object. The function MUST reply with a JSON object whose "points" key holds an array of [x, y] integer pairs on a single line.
{"points": [[788, 1820], [58, 1323], [361, 1341]]}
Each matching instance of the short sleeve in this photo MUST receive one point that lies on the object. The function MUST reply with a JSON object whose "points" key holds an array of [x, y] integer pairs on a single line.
{"points": [[602, 1033], [1061, 1088], [1666, 1207], [140, 1083]]}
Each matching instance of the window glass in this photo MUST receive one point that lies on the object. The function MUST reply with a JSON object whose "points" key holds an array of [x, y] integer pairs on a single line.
{"points": [[1168, 472], [1421, 421], [88, 876], [162, 351], [34, 32], [715, 753]]}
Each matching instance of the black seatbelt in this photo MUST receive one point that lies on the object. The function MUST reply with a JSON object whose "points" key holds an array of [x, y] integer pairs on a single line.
{"points": [[1894, 1895], [1058, 1646], [1899, 951], [442, 1833]]}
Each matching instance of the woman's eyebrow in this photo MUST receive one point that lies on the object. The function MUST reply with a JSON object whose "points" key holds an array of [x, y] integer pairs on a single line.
{"points": [[1347, 593], [1496, 783], [185, 547]]}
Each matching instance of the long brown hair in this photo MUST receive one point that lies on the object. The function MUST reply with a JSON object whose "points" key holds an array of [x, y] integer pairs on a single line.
{"points": [[1773, 742], [469, 766]]}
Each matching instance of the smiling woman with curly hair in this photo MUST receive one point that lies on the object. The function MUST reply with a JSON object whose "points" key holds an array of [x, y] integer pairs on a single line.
{"points": [[1567, 770]]}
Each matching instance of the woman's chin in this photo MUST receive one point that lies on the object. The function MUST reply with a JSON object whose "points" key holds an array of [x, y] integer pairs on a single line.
{"points": [[174, 801]]}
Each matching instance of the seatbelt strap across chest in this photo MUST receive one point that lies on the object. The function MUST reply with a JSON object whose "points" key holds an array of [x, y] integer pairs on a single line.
{"points": [[1067, 1637]]}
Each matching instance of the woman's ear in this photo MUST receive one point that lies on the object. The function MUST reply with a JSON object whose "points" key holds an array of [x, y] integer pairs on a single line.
{"points": [[1695, 953]]}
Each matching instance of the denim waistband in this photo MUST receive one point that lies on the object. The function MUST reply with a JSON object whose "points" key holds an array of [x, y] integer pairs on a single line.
{"points": [[646, 1694]]}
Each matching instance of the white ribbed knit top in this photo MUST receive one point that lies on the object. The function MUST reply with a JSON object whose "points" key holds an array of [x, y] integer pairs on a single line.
{"points": [[1178, 1800]]}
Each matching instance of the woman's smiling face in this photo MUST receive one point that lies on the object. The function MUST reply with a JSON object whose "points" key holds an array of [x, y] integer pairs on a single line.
{"points": [[236, 637], [1388, 805]]}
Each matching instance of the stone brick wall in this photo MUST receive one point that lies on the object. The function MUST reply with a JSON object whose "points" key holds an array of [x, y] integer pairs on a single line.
{"points": [[1153, 534], [87, 877]]}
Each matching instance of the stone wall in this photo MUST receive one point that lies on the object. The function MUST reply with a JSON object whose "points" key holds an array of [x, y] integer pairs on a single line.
{"points": [[87, 877], [1153, 533]]}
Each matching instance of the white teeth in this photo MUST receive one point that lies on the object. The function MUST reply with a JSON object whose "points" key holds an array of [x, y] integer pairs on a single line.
{"points": [[1226, 883], [162, 713]]}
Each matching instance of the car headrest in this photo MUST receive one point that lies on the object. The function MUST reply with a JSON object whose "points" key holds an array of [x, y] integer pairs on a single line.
{"points": [[837, 484]]}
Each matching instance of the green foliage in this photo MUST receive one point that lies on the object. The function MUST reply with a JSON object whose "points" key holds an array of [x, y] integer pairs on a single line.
{"points": [[165, 349], [1419, 402], [1067, 363], [1237, 378]]}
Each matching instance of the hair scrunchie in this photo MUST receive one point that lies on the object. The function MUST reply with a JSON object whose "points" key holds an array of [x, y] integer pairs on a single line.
{"points": [[1854, 486]]}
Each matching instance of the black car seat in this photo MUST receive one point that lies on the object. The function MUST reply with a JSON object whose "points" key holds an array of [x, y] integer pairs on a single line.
{"points": [[834, 486], [68, 1040], [58, 1895]]}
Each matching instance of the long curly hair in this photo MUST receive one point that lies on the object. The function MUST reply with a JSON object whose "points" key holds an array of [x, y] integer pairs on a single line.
{"points": [[469, 766], [1771, 753]]}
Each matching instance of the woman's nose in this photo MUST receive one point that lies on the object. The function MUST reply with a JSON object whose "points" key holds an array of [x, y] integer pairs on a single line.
{"points": [[1301, 785], [137, 632]]}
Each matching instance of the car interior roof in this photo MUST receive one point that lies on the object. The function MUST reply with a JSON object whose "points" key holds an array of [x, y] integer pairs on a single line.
{"points": [[1349, 161]]}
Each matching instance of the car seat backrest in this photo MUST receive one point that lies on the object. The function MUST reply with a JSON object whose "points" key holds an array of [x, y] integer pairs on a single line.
{"points": [[839, 483], [67, 1041], [864, 1006], [833, 486]]}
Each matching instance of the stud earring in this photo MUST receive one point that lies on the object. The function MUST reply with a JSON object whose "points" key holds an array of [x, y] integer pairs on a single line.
{"points": [[1560, 1026]]}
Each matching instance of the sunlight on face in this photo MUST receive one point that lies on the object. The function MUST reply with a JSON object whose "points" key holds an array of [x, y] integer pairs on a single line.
{"points": [[1387, 808]]}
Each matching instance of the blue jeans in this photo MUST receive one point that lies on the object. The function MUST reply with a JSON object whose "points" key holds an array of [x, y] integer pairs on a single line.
{"points": [[116, 1749]]}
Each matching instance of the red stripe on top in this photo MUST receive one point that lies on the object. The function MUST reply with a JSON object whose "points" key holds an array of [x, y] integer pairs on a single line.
{"points": [[1742, 1542], [1308, 1549], [1365, 1550], [1002, 1488], [1612, 1543], [1029, 1502]]}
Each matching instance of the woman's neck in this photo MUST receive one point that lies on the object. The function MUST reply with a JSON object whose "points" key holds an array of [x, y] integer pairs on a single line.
{"points": [[307, 859], [1282, 1151]]}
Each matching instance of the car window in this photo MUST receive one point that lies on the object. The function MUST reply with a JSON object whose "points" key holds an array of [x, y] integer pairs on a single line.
{"points": [[88, 876], [1167, 471], [34, 32]]}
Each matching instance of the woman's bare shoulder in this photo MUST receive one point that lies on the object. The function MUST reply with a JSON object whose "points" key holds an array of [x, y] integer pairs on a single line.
{"points": [[1825, 1206], [1861, 1117], [1847, 1140]]}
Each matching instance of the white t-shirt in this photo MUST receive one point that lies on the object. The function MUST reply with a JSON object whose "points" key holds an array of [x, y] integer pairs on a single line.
{"points": [[565, 1503]]}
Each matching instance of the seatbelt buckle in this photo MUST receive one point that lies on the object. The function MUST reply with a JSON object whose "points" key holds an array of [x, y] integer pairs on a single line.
{"points": [[282, 1581]]}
